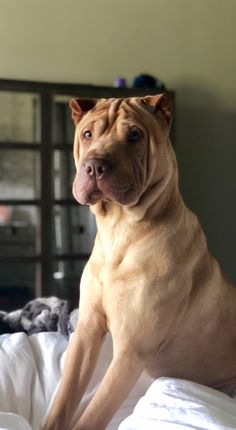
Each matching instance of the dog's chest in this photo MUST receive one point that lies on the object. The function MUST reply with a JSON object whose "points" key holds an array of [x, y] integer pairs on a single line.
{"points": [[131, 294]]}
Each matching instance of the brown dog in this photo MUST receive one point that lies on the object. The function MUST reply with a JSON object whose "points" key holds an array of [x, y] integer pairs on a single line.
{"points": [[150, 279]]}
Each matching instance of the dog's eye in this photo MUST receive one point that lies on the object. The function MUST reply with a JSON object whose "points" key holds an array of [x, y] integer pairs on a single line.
{"points": [[87, 134], [134, 135]]}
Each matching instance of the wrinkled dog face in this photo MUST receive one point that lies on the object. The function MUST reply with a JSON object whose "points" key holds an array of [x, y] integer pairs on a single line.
{"points": [[112, 147]]}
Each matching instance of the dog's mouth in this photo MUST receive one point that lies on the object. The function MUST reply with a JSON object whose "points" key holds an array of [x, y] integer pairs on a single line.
{"points": [[91, 192], [94, 197], [104, 179], [86, 193]]}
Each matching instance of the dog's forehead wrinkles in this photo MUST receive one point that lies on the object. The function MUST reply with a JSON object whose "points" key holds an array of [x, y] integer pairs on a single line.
{"points": [[125, 111], [113, 110], [112, 116]]}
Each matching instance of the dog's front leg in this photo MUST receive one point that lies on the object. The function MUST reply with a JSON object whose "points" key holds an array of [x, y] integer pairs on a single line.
{"points": [[119, 379], [79, 365]]}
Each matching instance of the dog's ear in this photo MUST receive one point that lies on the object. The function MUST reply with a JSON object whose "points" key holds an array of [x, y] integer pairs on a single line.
{"points": [[79, 107], [161, 105]]}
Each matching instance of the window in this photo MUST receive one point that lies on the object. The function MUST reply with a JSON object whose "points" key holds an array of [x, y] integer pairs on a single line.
{"points": [[45, 236]]}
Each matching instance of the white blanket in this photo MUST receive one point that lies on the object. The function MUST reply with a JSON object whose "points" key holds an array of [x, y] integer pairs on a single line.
{"points": [[30, 369], [175, 404]]}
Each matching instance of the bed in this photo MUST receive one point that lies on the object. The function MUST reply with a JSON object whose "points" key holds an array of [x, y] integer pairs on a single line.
{"points": [[31, 366]]}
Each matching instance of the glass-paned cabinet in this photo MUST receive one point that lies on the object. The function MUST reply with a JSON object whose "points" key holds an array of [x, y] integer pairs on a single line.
{"points": [[45, 236]]}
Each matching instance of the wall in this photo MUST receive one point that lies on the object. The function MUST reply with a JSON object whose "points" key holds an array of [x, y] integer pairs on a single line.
{"points": [[190, 44]]}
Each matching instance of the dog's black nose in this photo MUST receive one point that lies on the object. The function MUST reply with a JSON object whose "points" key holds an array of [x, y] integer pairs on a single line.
{"points": [[96, 167]]}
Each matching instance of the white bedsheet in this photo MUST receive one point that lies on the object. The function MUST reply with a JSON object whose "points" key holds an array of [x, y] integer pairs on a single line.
{"points": [[30, 369], [175, 404]]}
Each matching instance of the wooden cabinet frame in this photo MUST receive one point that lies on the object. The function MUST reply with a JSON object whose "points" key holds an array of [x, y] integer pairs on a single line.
{"points": [[46, 147]]}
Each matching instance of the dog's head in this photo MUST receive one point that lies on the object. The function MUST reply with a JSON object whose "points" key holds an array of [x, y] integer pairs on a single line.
{"points": [[120, 147]]}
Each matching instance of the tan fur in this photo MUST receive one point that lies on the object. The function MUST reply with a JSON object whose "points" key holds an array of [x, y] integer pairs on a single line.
{"points": [[150, 280]]}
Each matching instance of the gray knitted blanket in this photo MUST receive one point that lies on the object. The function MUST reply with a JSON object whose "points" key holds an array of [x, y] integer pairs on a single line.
{"points": [[43, 314]]}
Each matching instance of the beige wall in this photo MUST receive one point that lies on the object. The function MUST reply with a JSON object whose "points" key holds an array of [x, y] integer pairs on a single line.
{"points": [[189, 44], [181, 41]]}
